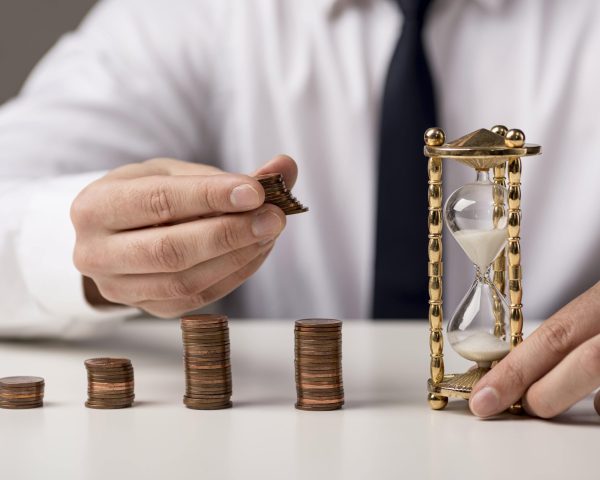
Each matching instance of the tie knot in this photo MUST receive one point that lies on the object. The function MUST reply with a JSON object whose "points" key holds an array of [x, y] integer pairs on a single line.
{"points": [[414, 10]]}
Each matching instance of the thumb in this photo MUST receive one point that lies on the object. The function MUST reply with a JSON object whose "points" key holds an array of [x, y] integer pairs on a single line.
{"points": [[281, 164]]}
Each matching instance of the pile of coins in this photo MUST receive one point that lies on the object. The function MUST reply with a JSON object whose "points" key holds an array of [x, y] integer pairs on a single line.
{"points": [[277, 193], [110, 383], [206, 360], [21, 392], [318, 361]]}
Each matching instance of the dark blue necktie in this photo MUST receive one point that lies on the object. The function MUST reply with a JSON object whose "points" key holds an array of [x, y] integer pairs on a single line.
{"points": [[408, 109]]}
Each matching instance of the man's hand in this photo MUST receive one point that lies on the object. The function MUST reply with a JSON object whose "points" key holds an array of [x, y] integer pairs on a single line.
{"points": [[558, 365], [170, 236]]}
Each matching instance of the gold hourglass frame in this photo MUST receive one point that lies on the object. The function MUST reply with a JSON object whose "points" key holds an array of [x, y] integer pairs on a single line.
{"points": [[500, 149]]}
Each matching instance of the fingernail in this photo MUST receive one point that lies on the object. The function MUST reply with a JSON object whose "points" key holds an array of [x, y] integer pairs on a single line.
{"points": [[244, 196], [485, 402], [266, 224]]}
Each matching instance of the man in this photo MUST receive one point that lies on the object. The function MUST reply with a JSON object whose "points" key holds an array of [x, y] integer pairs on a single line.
{"points": [[130, 122]]}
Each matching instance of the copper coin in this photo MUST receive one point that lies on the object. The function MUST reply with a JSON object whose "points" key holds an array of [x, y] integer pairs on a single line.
{"points": [[206, 402], [317, 376], [111, 380], [201, 320], [207, 334], [315, 409], [210, 366], [107, 362], [324, 329], [200, 384], [208, 328], [269, 177], [21, 391], [199, 354], [315, 395], [21, 401], [207, 374], [318, 340], [21, 381], [108, 366], [320, 401], [111, 400], [21, 407], [211, 381], [317, 386], [102, 406], [4, 397], [317, 337], [223, 389], [201, 406], [318, 322], [318, 352]]}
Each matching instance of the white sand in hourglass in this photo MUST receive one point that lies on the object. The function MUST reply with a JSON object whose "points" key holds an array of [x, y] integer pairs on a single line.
{"points": [[481, 246], [479, 346]]}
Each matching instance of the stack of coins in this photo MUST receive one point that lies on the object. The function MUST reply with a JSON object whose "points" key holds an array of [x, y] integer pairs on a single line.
{"points": [[277, 193], [110, 383], [207, 364], [21, 392], [319, 383]]}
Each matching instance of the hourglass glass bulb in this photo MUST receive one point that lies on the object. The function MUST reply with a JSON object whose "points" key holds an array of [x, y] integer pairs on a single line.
{"points": [[476, 217]]}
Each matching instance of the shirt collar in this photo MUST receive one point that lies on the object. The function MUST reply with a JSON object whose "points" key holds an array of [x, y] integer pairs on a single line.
{"points": [[332, 8]]}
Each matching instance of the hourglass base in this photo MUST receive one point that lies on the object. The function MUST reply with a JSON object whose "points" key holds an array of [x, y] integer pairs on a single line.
{"points": [[457, 385]]}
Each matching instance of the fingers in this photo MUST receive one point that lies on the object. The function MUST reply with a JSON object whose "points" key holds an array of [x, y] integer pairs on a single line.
{"points": [[178, 247], [134, 289], [570, 381], [170, 309], [162, 166], [281, 164], [538, 354], [125, 204]]}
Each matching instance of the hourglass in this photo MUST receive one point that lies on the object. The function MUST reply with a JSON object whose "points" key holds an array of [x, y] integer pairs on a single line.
{"points": [[484, 218]]}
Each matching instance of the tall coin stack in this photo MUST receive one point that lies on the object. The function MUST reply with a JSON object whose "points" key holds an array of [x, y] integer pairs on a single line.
{"points": [[21, 392], [110, 383], [277, 193], [318, 362], [207, 364]]}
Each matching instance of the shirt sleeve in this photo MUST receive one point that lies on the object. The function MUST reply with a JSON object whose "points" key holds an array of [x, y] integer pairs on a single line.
{"points": [[123, 88]]}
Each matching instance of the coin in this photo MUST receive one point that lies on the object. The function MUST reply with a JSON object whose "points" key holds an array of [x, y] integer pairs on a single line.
{"points": [[20, 381], [200, 405]]}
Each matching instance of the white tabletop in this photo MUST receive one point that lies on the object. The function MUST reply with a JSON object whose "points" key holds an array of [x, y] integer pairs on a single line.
{"points": [[386, 429]]}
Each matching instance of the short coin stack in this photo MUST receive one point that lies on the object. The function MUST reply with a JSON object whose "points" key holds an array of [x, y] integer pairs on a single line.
{"points": [[21, 392], [318, 361], [277, 193], [110, 383], [207, 364]]}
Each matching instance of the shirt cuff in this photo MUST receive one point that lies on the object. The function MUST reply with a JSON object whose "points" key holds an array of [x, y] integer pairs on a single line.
{"points": [[45, 254]]}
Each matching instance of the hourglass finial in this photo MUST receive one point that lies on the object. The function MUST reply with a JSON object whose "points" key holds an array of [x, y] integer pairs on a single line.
{"points": [[434, 137], [499, 130], [515, 138]]}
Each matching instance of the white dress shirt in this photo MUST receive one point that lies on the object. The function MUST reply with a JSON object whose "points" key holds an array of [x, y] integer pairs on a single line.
{"points": [[234, 82]]}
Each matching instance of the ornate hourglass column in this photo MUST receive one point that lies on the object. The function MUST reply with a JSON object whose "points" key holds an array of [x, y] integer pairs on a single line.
{"points": [[515, 139], [435, 137], [499, 267]]}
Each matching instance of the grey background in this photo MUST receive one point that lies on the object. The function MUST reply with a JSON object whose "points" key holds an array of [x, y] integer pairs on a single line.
{"points": [[28, 28]]}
